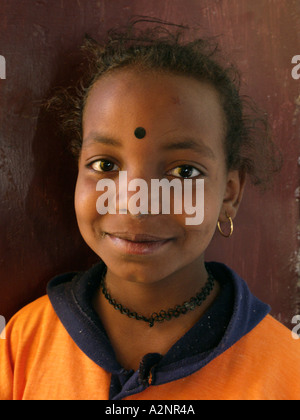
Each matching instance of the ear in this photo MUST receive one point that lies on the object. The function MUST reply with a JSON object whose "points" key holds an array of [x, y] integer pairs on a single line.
{"points": [[233, 194]]}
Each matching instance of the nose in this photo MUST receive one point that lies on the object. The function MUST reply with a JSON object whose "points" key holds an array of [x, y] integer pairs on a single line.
{"points": [[134, 195]]}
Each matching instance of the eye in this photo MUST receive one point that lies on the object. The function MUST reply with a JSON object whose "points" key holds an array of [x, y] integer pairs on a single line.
{"points": [[185, 171], [103, 165]]}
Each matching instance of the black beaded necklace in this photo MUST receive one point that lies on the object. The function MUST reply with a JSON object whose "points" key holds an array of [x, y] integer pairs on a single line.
{"points": [[162, 316]]}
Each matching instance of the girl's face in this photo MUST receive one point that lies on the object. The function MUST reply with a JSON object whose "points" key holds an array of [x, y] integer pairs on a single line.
{"points": [[185, 128]]}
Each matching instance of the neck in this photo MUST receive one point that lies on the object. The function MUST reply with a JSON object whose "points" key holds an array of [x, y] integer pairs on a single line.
{"points": [[145, 298], [132, 339]]}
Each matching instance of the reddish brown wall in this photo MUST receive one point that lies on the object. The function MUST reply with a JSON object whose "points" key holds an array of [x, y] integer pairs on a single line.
{"points": [[39, 237]]}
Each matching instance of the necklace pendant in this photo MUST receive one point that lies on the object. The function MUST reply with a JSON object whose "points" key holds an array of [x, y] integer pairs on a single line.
{"points": [[151, 322]]}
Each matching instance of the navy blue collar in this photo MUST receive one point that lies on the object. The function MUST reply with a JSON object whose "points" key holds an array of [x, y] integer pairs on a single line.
{"points": [[235, 312]]}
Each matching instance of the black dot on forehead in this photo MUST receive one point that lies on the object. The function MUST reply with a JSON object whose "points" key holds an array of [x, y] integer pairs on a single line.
{"points": [[140, 133]]}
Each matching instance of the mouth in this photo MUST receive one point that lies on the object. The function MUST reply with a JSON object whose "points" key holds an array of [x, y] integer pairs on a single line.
{"points": [[139, 244]]}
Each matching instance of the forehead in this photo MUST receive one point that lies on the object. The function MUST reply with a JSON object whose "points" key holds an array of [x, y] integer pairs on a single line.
{"points": [[162, 103]]}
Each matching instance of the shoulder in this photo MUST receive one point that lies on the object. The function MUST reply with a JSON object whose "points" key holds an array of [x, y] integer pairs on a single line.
{"points": [[273, 336], [30, 334], [270, 348], [33, 310], [263, 365], [22, 342], [41, 312], [269, 358], [39, 305], [33, 317], [275, 332]]}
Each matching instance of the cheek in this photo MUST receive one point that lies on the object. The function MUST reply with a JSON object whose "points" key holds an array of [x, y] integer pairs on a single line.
{"points": [[85, 201], [199, 236], [201, 208]]}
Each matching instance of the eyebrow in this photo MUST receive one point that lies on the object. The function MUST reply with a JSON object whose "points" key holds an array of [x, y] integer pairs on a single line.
{"points": [[191, 144], [98, 138], [185, 144]]}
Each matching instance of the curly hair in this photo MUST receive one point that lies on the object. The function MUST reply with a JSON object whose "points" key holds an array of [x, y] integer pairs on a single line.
{"points": [[248, 142]]}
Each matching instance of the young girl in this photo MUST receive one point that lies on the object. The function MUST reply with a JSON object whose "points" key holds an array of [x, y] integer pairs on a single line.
{"points": [[153, 320]]}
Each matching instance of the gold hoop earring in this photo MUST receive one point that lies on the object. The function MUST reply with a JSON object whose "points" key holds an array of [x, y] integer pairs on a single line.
{"points": [[231, 227]]}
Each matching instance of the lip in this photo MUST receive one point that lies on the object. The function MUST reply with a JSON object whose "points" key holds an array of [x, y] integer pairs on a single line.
{"points": [[138, 237], [138, 244]]}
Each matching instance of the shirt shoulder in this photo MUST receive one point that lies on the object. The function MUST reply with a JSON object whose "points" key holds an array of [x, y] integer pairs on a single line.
{"points": [[22, 334], [31, 318], [39, 360], [263, 365], [280, 342], [27, 329], [268, 359]]}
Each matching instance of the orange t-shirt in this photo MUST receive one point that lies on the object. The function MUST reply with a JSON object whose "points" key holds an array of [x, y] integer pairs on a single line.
{"points": [[39, 360]]}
